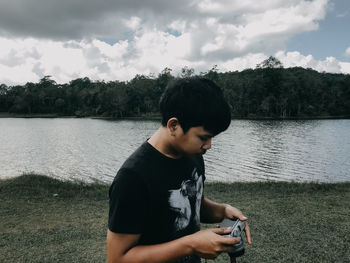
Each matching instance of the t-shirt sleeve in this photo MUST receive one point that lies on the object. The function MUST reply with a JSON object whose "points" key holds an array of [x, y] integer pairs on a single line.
{"points": [[128, 201]]}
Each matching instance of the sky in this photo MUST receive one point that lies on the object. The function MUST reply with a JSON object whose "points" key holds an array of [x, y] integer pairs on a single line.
{"points": [[117, 39]]}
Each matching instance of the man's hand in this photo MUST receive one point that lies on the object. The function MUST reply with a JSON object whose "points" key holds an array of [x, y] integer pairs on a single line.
{"points": [[210, 243], [231, 212], [212, 212]]}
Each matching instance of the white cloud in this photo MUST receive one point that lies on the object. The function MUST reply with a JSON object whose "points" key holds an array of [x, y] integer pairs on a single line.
{"points": [[347, 52], [37, 58], [265, 27], [245, 62], [25, 60], [150, 36], [345, 67], [133, 23], [330, 64]]}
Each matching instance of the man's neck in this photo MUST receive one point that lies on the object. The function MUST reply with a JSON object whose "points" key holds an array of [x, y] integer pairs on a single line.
{"points": [[160, 140]]}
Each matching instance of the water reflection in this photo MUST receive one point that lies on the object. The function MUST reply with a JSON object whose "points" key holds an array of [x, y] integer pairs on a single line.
{"points": [[90, 150], [282, 150]]}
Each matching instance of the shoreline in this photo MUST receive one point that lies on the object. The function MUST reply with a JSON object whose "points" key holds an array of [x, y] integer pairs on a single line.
{"points": [[228, 183], [158, 117]]}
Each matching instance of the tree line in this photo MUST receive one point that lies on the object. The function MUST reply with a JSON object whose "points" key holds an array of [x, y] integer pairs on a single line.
{"points": [[269, 90]]}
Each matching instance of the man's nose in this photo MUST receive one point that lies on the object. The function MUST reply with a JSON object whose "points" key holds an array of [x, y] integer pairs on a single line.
{"points": [[207, 144]]}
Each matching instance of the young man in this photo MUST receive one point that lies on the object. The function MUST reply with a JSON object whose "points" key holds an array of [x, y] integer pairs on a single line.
{"points": [[157, 198]]}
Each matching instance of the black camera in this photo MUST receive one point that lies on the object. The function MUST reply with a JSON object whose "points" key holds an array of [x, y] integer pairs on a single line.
{"points": [[237, 229]]}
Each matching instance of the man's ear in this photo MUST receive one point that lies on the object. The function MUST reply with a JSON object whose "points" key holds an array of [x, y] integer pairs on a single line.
{"points": [[173, 125]]}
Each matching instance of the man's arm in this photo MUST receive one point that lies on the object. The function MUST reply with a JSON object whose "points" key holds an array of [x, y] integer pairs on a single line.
{"points": [[212, 212], [123, 248]]}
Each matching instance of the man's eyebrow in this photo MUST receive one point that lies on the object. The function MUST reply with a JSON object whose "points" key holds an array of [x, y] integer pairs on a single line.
{"points": [[206, 135]]}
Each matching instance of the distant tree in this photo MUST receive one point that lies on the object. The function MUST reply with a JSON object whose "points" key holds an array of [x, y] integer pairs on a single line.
{"points": [[59, 105], [163, 79], [186, 72], [47, 81], [267, 91], [113, 100], [213, 74], [143, 95], [3, 98], [271, 62], [3, 89]]}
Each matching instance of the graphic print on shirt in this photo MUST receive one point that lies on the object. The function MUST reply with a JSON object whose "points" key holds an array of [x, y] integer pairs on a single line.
{"points": [[185, 200]]}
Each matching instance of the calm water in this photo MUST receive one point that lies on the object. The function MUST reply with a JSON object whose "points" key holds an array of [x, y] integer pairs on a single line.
{"points": [[93, 150]]}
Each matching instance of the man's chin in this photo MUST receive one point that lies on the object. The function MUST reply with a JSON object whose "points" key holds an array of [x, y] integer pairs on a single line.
{"points": [[197, 153], [202, 152]]}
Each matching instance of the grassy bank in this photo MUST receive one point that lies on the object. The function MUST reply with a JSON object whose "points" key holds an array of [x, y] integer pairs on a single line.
{"points": [[46, 220]]}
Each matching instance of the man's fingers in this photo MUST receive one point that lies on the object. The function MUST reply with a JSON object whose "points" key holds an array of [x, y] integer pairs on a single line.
{"points": [[247, 233], [222, 230], [231, 212], [242, 217], [227, 230], [230, 241]]}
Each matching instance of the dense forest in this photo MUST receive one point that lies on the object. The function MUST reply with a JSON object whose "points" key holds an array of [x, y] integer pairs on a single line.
{"points": [[269, 90]]}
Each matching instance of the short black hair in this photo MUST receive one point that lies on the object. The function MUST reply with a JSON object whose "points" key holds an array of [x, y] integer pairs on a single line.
{"points": [[195, 101]]}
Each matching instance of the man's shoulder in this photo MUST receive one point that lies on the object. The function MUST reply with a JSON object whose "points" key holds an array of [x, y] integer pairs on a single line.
{"points": [[139, 158]]}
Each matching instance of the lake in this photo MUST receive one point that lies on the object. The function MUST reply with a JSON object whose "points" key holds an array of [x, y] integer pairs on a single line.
{"points": [[250, 150]]}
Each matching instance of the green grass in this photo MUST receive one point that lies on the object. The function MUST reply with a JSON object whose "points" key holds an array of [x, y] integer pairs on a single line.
{"points": [[46, 220]]}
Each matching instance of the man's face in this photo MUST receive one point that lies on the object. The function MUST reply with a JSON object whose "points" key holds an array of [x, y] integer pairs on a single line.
{"points": [[196, 141]]}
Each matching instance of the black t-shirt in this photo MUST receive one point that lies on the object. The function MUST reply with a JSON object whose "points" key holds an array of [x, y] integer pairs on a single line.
{"points": [[157, 197]]}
